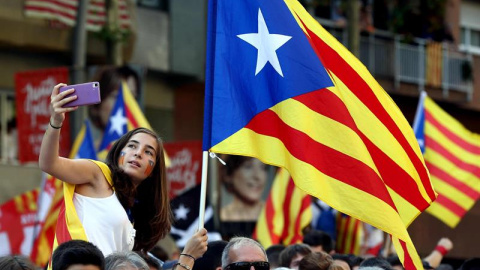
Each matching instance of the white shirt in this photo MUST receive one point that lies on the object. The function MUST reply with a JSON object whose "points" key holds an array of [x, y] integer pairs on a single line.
{"points": [[105, 222]]}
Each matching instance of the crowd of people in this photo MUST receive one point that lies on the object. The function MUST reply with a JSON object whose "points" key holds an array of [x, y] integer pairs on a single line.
{"points": [[239, 253], [121, 207]]}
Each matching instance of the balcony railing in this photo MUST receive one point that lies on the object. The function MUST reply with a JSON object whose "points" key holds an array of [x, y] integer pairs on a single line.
{"points": [[386, 56]]}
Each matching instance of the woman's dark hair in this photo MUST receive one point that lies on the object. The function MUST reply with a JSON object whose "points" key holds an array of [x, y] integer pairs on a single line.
{"points": [[109, 78], [377, 262], [149, 202], [16, 262], [77, 252], [291, 251], [315, 261]]}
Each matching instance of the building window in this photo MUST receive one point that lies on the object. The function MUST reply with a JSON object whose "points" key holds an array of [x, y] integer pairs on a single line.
{"points": [[8, 129], [155, 4], [470, 40]]}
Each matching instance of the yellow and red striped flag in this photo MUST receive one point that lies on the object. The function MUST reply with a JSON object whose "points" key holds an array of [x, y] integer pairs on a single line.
{"points": [[349, 234], [286, 212], [434, 55], [280, 88], [17, 223], [42, 247], [452, 155]]}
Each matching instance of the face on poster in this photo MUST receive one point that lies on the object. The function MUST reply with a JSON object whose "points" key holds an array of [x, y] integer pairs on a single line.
{"points": [[245, 183]]}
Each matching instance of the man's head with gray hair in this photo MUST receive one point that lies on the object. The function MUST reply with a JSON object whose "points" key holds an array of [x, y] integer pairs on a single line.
{"points": [[243, 249], [128, 260]]}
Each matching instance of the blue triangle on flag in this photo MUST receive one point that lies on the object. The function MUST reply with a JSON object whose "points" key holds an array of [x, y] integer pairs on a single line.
{"points": [[87, 148], [117, 123]]}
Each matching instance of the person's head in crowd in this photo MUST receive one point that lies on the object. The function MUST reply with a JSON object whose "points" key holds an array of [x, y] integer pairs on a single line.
{"points": [[315, 261], [242, 252], [339, 265], [110, 78], [376, 262], [343, 259], [16, 262], [77, 255], [153, 262], [344, 264], [318, 241], [370, 268], [127, 260], [444, 266], [292, 254], [245, 178], [212, 258], [395, 262], [355, 261], [471, 264], [273, 255]]}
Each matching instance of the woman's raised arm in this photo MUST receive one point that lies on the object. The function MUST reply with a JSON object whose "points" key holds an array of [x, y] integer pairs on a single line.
{"points": [[68, 170]]}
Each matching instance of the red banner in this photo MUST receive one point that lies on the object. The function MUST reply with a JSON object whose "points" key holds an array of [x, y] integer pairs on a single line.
{"points": [[33, 90], [184, 172], [17, 223]]}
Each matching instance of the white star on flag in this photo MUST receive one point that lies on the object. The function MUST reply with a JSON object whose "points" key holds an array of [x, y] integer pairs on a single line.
{"points": [[117, 121], [266, 45], [181, 212]]}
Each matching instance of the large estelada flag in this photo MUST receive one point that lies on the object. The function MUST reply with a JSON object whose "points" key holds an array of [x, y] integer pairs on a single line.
{"points": [[286, 212], [452, 155], [282, 89], [60, 220]]}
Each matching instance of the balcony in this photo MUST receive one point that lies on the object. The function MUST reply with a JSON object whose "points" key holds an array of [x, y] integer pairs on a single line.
{"points": [[438, 67]]}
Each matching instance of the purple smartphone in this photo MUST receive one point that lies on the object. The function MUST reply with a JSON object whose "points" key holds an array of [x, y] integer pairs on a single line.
{"points": [[87, 94]]}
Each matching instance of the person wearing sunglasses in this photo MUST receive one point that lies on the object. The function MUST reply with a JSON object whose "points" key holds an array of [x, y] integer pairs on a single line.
{"points": [[242, 253]]}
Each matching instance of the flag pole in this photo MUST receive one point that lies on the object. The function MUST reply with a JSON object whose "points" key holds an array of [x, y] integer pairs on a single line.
{"points": [[203, 191]]}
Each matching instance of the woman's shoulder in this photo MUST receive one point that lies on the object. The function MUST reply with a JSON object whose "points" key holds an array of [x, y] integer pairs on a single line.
{"points": [[107, 173]]}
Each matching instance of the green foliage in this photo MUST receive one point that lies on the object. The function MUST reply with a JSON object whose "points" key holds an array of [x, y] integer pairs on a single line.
{"points": [[114, 34]]}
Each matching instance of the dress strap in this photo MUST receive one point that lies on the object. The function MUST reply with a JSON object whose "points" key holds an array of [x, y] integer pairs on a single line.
{"points": [[105, 170]]}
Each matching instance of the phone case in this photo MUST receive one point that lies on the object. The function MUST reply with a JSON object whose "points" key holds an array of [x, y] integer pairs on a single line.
{"points": [[87, 94]]}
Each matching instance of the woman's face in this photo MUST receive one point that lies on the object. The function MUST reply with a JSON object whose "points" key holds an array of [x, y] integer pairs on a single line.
{"points": [[249, 179], [138, 157]]}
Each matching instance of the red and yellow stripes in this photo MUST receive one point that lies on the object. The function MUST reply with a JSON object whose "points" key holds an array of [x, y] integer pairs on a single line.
{"points": [[286, 212], [133, 112], [42, 248], [434, 63], [348, 145], [26, 202], [349, 234], [452, 155]]}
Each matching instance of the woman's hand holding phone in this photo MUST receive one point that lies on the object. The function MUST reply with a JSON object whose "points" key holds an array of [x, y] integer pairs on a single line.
{"points": [[87, 94], [57, 101]]}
